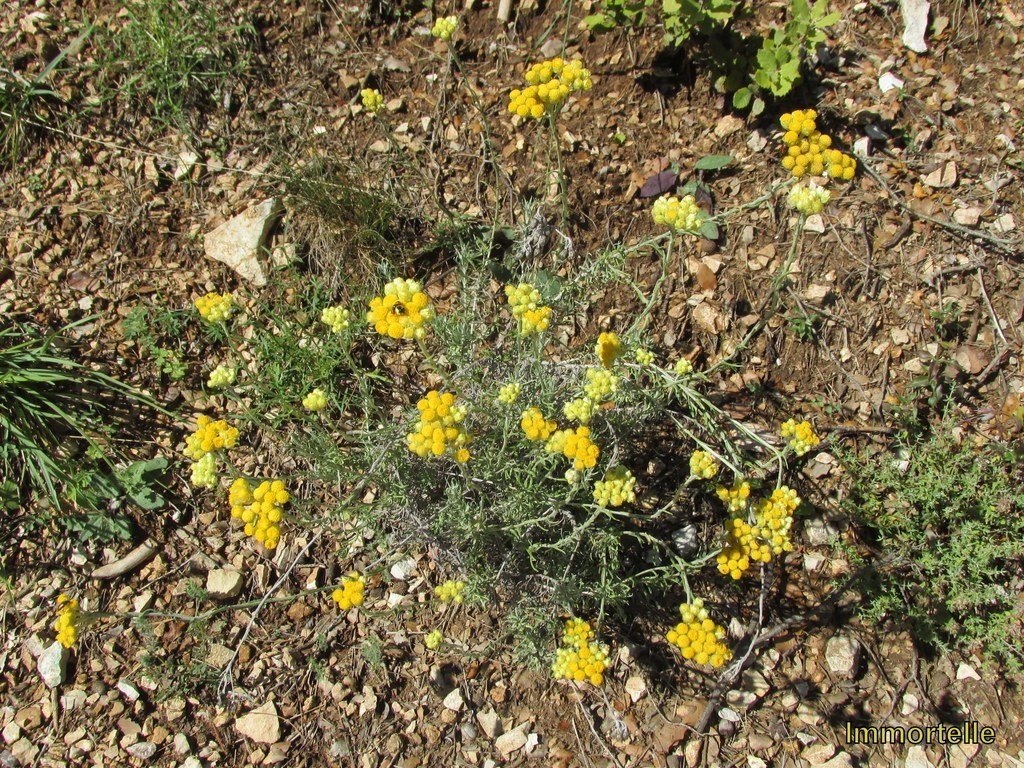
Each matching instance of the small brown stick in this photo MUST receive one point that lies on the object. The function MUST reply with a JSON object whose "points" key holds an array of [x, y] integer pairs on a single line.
{"points": [[991, 309], [128, 563], [978, 234]]}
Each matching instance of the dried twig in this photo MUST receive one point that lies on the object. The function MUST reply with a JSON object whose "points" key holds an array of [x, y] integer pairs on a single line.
{"points": [[970, 232]]}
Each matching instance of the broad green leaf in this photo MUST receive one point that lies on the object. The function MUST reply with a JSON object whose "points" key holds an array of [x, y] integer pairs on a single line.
{"points": [[709, 230], [758, 107], [713, 162], [741, 98]]}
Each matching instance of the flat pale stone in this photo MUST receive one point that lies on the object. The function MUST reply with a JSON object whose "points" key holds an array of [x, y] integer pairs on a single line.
{"points": [[842, 654], [52, 663], [224, 583], [261, 725], [509, 742], [238, 241]]}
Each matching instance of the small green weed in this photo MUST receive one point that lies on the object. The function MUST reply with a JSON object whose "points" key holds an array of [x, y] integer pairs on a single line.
{"points": [[804, 325], [56, 416], [173, 55], [148, 326], [951, 515], [25, 103]]}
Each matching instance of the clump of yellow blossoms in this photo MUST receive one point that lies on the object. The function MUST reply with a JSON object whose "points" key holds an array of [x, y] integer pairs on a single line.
{"points": [[679, 215], [67, 623], [444, 27], [580, 658], [260, 509], [209, 436], [601, 384], [575, 445], [802, 436], [204, 472], [703, 465], [350, 593], [736, 496], [581, 409], [808, 149], [550, 83], [215, 307], [644, 357], [402, 312], [747, 543], [617, 488], [608, 349], [698, 637], [372, 100], [222, 376], [683, 367], [809, 199], [335, 318], [439, 429], [433, 640], [524, 300], [535, 426], [509, 393], [315, 400], [451, 591]]}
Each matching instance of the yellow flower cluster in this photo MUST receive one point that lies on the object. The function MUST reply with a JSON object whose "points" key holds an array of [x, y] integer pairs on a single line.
{"points": [[644, 357], [580, 658], [680, 215], [67, 623], [608, 349], [809, 198], [683, 367], [439, 428], [372, 100], [335, 318], [222, 376], [215, 307], [698, 637], [736, 496], [433, 640], [210, 436], [808, 149], [535, 426], [802, 436], [444, 27], [550, 83], [260, 509], [582, 409], [617, 488], [402, 312], [509, 393], [703, 465], [524, 300], [451, 591], [350, 593], [601, 384], [575, 445], [746, 544], [315, 400], [204, 472], [774, 517]]}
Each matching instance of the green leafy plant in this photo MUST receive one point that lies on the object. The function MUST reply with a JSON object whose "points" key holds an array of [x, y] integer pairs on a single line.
{"points": [[781, 54], [175, 54], [55, 413], [681, 19], [950, 517], [148, 326], [25, 103]]}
